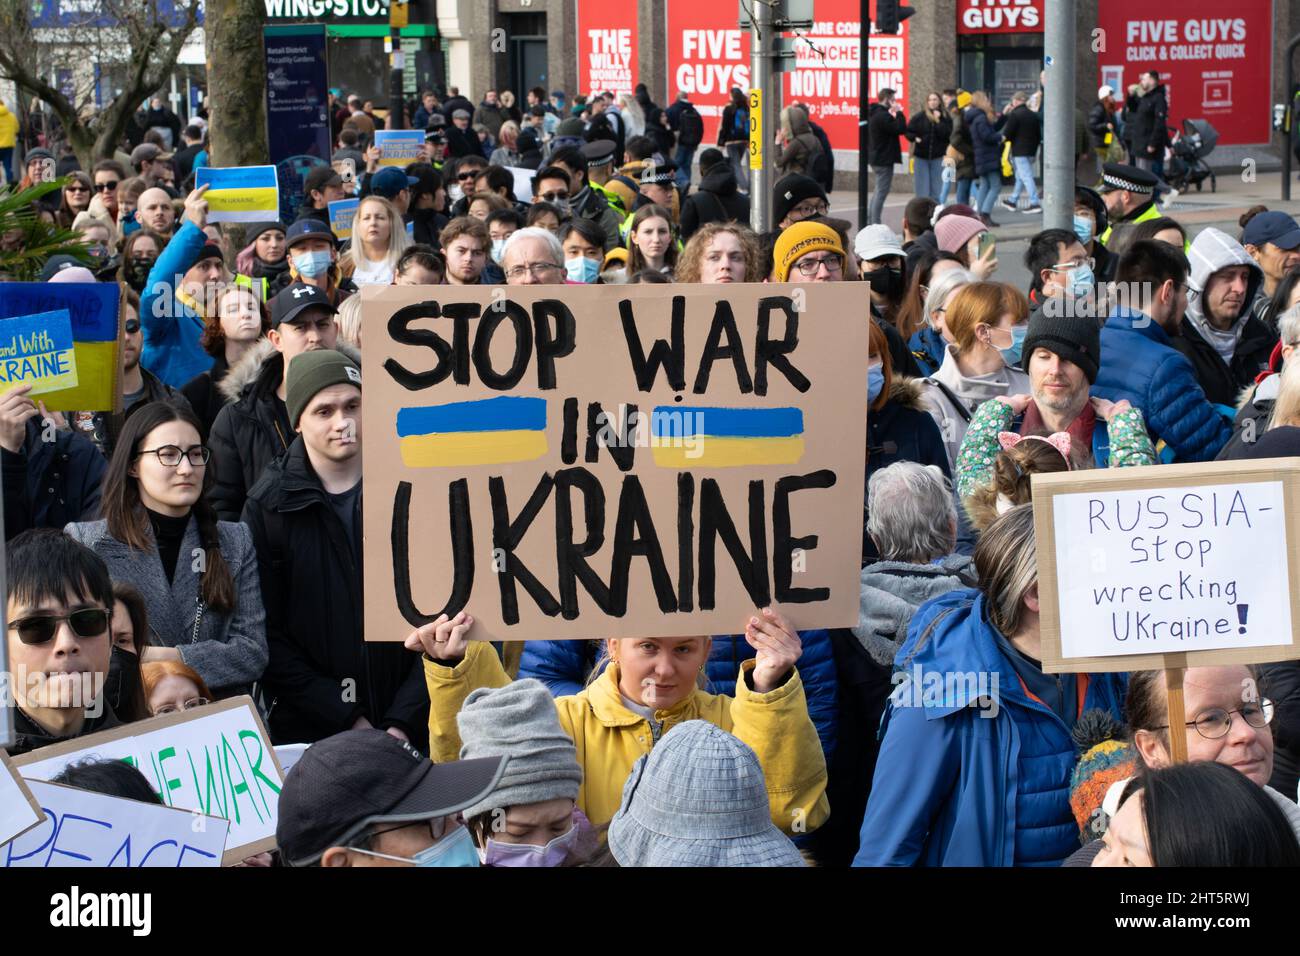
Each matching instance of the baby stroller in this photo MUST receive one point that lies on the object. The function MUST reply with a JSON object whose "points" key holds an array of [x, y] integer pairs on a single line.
{"points": [[1187, 166]]}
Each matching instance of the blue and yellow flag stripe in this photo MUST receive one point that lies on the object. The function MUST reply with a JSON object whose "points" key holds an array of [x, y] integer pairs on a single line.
{"points": [[719, 437], [490, 431]]}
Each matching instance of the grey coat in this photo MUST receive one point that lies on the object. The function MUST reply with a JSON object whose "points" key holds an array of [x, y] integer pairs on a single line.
{"points": [[891, 591], [229, 650]]}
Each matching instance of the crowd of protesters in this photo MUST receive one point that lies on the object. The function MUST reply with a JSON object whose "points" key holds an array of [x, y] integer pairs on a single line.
{"points": [[206, 541]]}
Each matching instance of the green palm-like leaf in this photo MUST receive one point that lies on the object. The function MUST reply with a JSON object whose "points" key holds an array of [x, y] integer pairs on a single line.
{"points": [[27, 240]]}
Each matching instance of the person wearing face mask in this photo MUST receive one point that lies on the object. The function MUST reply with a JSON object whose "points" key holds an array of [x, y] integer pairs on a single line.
{"points": [[1060, 270], [531, 817], [1141, 363], [314, 260], [364, 798], [881, 260], [139, 385], [501, 224], [129, 629], [139, 252], [650, 686], [1089, 222], [100, 238], [987, 323], [582, 241]]}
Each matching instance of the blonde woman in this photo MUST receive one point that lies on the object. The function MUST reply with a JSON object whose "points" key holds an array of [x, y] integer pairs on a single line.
{"points": [[507, 151], [349, 320], [720, 252], [633, 116], [378, 241]]}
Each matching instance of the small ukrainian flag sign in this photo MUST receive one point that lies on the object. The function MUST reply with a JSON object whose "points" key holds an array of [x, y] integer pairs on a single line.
{"points": [[240, 193], [491, 431], [715, 437], [38, 350]]}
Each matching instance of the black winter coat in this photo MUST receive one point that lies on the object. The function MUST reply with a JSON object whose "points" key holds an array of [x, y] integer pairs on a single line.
{"points": [[985, 139], [48, 484], [929, 137], [1023, 130], [883, 130], [1147, 117], [203, 392], [322, 675], [717, 200], [1280, 683], [727, 132], [1100, 122], [1223, 385]]}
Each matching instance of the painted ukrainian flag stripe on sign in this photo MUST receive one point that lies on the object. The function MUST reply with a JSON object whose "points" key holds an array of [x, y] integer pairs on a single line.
{"points": [[240, 194], [715, 437], [491, 431]]}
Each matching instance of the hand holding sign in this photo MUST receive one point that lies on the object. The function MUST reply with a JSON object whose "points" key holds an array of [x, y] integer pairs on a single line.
{"points": [[1018, 403], [196, 207], [15, 411], [778, 647], [444, 639], [1106, 411]]}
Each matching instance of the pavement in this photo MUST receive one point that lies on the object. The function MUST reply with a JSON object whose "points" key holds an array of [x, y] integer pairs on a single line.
{"points": [[1194, 210]]}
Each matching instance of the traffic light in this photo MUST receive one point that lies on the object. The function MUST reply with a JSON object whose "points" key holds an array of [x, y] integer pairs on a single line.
{"points": [[889, 14]]}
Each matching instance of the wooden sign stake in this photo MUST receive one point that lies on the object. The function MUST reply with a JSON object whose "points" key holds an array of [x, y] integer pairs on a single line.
{"points": [[1177, 715]]}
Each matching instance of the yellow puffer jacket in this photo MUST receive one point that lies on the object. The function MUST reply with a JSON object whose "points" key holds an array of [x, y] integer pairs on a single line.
{"points": [[610, 738], [8, 128]]}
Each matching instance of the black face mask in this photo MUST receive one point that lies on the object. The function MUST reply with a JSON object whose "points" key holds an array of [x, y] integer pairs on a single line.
{"points": [[889, 282], [106, 269], [137, 273], [123, 681]]}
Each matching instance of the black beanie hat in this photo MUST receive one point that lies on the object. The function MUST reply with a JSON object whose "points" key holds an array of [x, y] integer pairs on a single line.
{"points": [[1074, 338], [790, 191]]}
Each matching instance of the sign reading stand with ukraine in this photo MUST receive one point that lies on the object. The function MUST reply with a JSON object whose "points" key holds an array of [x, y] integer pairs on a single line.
{"points": [[399, 147], [571, 462], [62, 339], [240, 194]]}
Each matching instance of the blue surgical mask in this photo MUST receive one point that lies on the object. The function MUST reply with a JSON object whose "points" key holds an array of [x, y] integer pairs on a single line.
{"points": [[455, 849], [1011, 354], [312, 264], [582, 269], [875, 382], [1082, 281], [1083, 229], [498, 247]]}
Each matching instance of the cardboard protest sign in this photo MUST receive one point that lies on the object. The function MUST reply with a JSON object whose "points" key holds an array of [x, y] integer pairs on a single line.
{"points": [[19, 811], [588, 461], [90, 379], [342, 212], [37, 350], [83, 828], [240, 193], [1168, 566], [400, 147], [216, 760]]}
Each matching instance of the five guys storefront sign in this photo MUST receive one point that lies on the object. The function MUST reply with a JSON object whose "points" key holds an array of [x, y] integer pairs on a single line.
{"points": [[579, 462]]}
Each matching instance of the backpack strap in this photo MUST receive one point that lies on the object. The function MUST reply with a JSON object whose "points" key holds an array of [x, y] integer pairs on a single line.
{"points": [[962, 409]]}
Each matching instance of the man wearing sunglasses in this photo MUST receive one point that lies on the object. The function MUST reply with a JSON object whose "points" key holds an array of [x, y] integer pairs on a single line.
{"points": [[60, 601], [364, 798], [460, 185]]}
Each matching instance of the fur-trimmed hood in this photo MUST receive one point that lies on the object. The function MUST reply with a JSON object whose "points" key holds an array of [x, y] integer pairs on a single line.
{"points": [[245, 373], [908, 393]]}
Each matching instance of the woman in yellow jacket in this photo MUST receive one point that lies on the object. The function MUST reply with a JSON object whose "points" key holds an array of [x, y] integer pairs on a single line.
{"points": [[649, 687]]}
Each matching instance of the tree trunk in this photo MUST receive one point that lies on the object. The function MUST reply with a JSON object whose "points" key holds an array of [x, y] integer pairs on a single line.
{"points": [[236, 83]]}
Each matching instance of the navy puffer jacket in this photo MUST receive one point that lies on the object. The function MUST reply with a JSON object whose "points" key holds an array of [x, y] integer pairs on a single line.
{"points": [[986, 139], [563, 666]]}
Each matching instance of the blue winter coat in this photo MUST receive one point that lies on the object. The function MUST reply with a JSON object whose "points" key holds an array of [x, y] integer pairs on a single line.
{"points": [[1139, 363], [171, 328], [954, 787], [563, 667], [987, 140], [928, 348]]}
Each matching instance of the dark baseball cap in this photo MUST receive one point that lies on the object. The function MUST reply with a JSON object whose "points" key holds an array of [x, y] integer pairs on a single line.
{"points": [[56, 264], [1272, 226], [362, 778], [320, 177], [390, 181], [289, 302], [308, 229]]}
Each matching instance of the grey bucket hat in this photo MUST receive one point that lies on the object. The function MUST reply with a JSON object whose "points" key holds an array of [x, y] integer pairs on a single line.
{"points": [[698, 799]]}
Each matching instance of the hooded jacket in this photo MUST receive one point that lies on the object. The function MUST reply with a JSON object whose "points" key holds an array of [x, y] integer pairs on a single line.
{"points": [[883, 130], [864, 660], [253, 429], [902, 430], [1250, 339], [717, 199], [312, 591], [590, 204], [610, 737], [172, 326], [963, 780], [802, 151], [1140, 363], [48, 484], [1145, 119], [226, 648], [949, 382], [563, 667]]}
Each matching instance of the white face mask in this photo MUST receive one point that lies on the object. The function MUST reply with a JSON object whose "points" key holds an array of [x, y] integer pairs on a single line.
{"points": [[498, 248], [454, 193]]}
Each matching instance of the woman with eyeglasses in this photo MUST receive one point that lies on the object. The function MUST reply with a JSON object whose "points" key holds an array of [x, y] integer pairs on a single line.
{"points": [[160, 534], [1228, 719], [76, 198], [171, 687]]}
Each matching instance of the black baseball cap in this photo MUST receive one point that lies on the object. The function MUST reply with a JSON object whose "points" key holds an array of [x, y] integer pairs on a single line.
{"points": [[320, 177], [360, 778], [308, 229], [289, 302]]}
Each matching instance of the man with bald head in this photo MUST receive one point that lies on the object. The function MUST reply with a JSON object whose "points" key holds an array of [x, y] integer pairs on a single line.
{"points": [[154, 210], [533, 256]]}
